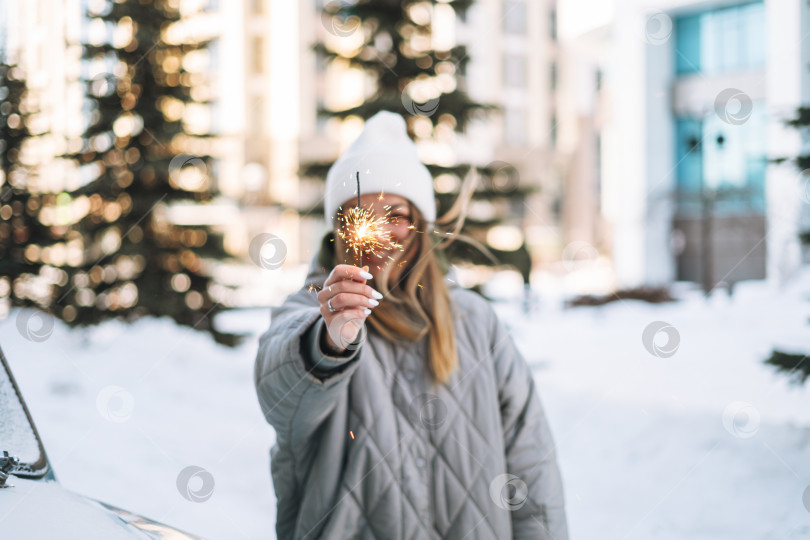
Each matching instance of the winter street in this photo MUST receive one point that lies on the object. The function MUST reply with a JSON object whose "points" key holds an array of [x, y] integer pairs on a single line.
{"points": [[650, 448], [405, 269]]}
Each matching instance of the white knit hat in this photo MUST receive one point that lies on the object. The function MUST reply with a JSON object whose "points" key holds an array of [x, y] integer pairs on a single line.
{"points": [[388, 162]]}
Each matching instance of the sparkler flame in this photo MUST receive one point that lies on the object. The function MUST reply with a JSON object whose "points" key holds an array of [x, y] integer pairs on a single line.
{"points": [[365, 233]]}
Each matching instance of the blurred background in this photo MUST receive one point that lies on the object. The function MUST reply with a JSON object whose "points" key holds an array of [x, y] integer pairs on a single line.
{"points": [[165, 158], [635, 142]]}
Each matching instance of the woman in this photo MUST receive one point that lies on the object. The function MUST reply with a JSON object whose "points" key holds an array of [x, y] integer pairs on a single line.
{"points": [[401, 406]]}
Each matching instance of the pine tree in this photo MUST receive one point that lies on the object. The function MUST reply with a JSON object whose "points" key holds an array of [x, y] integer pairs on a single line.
{"points": [[420, 82], [13, 129], [797, 365], [18, 224], [120, 254]]}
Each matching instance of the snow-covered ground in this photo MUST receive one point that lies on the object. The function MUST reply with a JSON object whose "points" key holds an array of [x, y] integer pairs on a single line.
{"points": [[700, 442]]}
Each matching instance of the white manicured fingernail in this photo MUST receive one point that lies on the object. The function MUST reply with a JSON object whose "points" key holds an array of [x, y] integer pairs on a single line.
{"points": [[376, 295], [366, 311], [365, 275], [374, 303]]}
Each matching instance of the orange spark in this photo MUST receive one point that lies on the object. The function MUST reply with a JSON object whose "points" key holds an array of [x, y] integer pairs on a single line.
{"points": [[365, 233]]}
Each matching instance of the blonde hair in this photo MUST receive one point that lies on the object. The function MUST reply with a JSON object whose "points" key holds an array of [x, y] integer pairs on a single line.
{"points": [[417, 303]]}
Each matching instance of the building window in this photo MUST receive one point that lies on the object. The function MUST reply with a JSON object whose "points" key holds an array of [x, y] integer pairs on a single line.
{"points": [[552, 24], [258, 55], [552, 132], [514, 70], [552, 75], [597, 173], [256, 116], [721, 40], [722, 162], [514, 126], [514, 17]]}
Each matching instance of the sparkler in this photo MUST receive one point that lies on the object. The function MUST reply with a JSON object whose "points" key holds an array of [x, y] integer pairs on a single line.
{"points": [[364, 232]]}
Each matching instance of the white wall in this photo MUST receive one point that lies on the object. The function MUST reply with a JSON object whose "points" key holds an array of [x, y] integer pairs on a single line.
{"points": [[625, 146], [787, 86]]}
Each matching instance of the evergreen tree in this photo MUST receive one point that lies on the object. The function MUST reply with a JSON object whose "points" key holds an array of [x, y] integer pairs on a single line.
{"points": [[421, 83], [797, 365], [13, 129], [119, 254], [18, 223]]}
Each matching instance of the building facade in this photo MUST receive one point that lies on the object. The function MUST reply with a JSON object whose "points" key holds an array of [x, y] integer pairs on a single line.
{"points": [[266, 85], [698, 95]]}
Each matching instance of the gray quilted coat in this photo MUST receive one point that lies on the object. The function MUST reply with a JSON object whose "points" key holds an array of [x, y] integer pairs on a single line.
{"points": [[368, 447]]}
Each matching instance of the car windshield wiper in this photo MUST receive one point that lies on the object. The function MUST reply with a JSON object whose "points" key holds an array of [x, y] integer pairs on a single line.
{"points": [[7, 466]]}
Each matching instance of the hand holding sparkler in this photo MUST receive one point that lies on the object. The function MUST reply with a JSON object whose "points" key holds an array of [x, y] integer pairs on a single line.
{"points": [[346, 302]]}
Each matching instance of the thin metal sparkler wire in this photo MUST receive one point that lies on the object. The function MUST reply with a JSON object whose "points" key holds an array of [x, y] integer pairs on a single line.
{"points": [[359, 209]]}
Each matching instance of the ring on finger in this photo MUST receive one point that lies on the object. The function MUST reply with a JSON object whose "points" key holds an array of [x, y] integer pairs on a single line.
{"points": [[329, 306]]}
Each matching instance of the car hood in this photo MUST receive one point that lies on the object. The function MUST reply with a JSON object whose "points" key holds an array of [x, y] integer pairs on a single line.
{"points": [[45, 509]]}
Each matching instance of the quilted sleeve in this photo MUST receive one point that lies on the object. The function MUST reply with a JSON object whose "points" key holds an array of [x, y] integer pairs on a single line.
{"points": [[538, 507], [296, 392]]}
